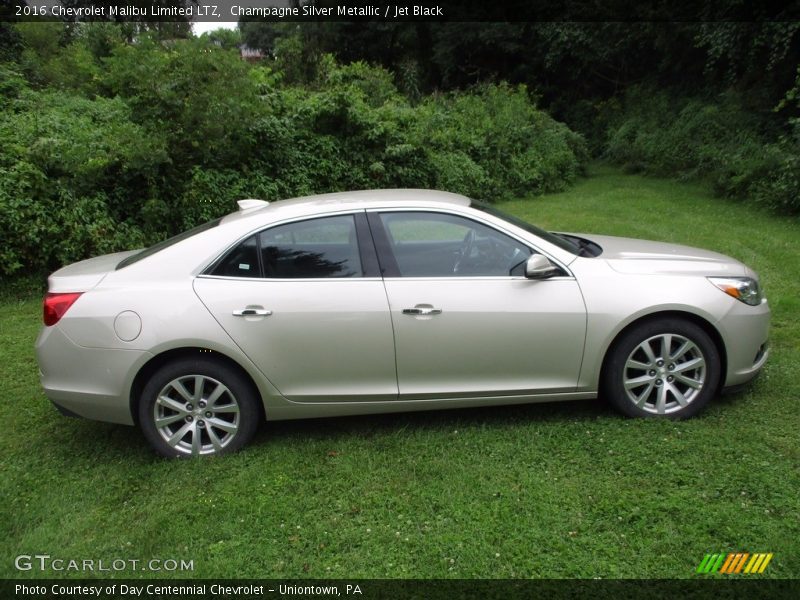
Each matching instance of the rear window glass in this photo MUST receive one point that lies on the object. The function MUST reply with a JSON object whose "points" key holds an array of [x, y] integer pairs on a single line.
{"points": [[134, 258], [324, 247], [311, 249]]}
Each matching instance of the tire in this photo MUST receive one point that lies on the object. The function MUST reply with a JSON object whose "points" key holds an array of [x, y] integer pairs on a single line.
{"points": [[676, 383], [220, 419]]}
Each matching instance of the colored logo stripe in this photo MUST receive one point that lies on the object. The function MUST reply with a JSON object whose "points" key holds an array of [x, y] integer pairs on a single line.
{"points": [[734, 562], [711, 563]]}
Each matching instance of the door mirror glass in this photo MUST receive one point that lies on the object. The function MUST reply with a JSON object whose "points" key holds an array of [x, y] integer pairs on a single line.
{"points": [[538, 267]]}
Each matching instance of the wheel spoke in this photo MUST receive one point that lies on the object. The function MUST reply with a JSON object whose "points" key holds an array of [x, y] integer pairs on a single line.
{"points": [[212, 435], [645, 346], [642, 398], [198, 387], [226, 408], [215, 395], [178, 386], [635, 364], [693, 383], [666, 343], [684, 348], [694, 363], [195, 440], [164, 421], [637, 381], [168, 402], [176, 437], [678, 395], [223, 425], [661, 402]]}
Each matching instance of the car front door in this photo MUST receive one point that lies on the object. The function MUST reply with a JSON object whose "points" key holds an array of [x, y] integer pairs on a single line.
{"points": [[304, 300], [467, 323]]}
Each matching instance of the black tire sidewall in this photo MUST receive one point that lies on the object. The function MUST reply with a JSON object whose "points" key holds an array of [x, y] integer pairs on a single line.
{"points": [[613, 387], [246, 397]]}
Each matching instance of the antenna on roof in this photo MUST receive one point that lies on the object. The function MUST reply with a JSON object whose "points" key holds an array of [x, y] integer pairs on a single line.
{"points": [[251, 203]]}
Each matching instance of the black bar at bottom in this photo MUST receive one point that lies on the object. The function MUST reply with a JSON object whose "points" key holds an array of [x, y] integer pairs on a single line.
{"points": [[371, 589]]}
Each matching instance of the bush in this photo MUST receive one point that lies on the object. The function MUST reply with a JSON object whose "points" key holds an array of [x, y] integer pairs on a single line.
{"points": [[489, 143], [147, 139], [72, 175], [740, 153], [520, 150], [213, 193]]}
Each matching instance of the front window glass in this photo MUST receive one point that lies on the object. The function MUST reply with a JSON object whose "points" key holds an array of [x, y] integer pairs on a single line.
{"points": [[556, 240], [427, 244]]}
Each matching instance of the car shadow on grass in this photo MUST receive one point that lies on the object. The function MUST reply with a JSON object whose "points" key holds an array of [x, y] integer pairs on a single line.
{"points": [[499, 417], [83, 439]]}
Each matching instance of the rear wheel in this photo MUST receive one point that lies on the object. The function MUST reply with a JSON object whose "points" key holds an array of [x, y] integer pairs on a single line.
{"points": [[195, 407], [667, 367]]}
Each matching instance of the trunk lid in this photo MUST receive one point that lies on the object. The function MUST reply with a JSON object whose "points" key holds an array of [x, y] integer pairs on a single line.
{"points": [[86, 274]]}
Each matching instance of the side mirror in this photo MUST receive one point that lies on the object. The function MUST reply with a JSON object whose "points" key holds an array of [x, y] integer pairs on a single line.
{"points": [[538, 267]]}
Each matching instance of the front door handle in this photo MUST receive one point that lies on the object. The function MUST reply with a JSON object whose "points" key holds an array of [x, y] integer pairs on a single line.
{"points": [[252, 312], [418, 311]]}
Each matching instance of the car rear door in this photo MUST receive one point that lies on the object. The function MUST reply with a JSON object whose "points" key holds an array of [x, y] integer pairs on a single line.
{"points": [[467, 323], [304, 300]]}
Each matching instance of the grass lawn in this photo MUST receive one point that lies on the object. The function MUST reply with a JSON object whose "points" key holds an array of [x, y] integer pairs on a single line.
{"points": [[563, 490]]}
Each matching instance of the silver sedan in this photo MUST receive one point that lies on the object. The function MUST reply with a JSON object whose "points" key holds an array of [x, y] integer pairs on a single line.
{"points": [[385, 301]]}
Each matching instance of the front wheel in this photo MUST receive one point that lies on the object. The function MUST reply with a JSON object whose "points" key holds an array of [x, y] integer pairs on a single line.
{"points": [[195, 407], [667, 367]]}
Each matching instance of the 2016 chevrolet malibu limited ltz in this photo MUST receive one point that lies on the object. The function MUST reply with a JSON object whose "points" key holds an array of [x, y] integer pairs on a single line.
{"points": [[385, 301]]}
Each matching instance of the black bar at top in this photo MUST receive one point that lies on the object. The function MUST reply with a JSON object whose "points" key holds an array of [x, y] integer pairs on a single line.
{"points": [[402, 10]]}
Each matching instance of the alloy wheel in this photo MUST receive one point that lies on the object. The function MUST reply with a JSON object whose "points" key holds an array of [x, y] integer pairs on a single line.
{"points": [[664, 373], [196, 414]]}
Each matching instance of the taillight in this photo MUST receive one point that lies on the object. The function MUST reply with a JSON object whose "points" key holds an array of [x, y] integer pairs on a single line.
{"points": [[55, 305]]}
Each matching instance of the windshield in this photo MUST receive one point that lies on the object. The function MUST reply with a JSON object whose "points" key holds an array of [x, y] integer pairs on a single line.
{"points": [[166, 243], [556, 240]]}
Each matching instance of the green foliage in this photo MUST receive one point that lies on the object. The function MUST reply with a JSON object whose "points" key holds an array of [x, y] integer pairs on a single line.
{"points": [[502, 142], [716, 139], [229, 39], [376, 84], [69, 172], [12, 83], [211, 193], [110, 144], [358, 132], [200, 93]]}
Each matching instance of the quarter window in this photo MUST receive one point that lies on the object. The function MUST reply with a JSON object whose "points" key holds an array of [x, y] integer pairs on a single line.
{"points": [[242, 261]]}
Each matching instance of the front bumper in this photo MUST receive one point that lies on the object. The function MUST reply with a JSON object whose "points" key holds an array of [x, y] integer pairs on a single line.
{"points": [[93, 383], [745, 331]]}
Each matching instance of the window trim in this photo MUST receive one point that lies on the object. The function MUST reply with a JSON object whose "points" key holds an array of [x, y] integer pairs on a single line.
{"points": [[392, 270], [366, 251]]}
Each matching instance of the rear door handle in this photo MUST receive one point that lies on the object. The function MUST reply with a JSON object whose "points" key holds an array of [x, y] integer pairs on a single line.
{"points": [[422, 311], [252, 312]]}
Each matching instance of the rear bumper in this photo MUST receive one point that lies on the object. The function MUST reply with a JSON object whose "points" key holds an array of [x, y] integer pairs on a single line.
{"points": [[93, 383]]}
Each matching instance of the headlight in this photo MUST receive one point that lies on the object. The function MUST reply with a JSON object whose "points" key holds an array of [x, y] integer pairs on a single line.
{"points": [[742, 288]]}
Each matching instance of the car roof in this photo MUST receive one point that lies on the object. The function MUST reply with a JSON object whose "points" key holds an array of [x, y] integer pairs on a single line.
{"points": [[351, 200]]}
